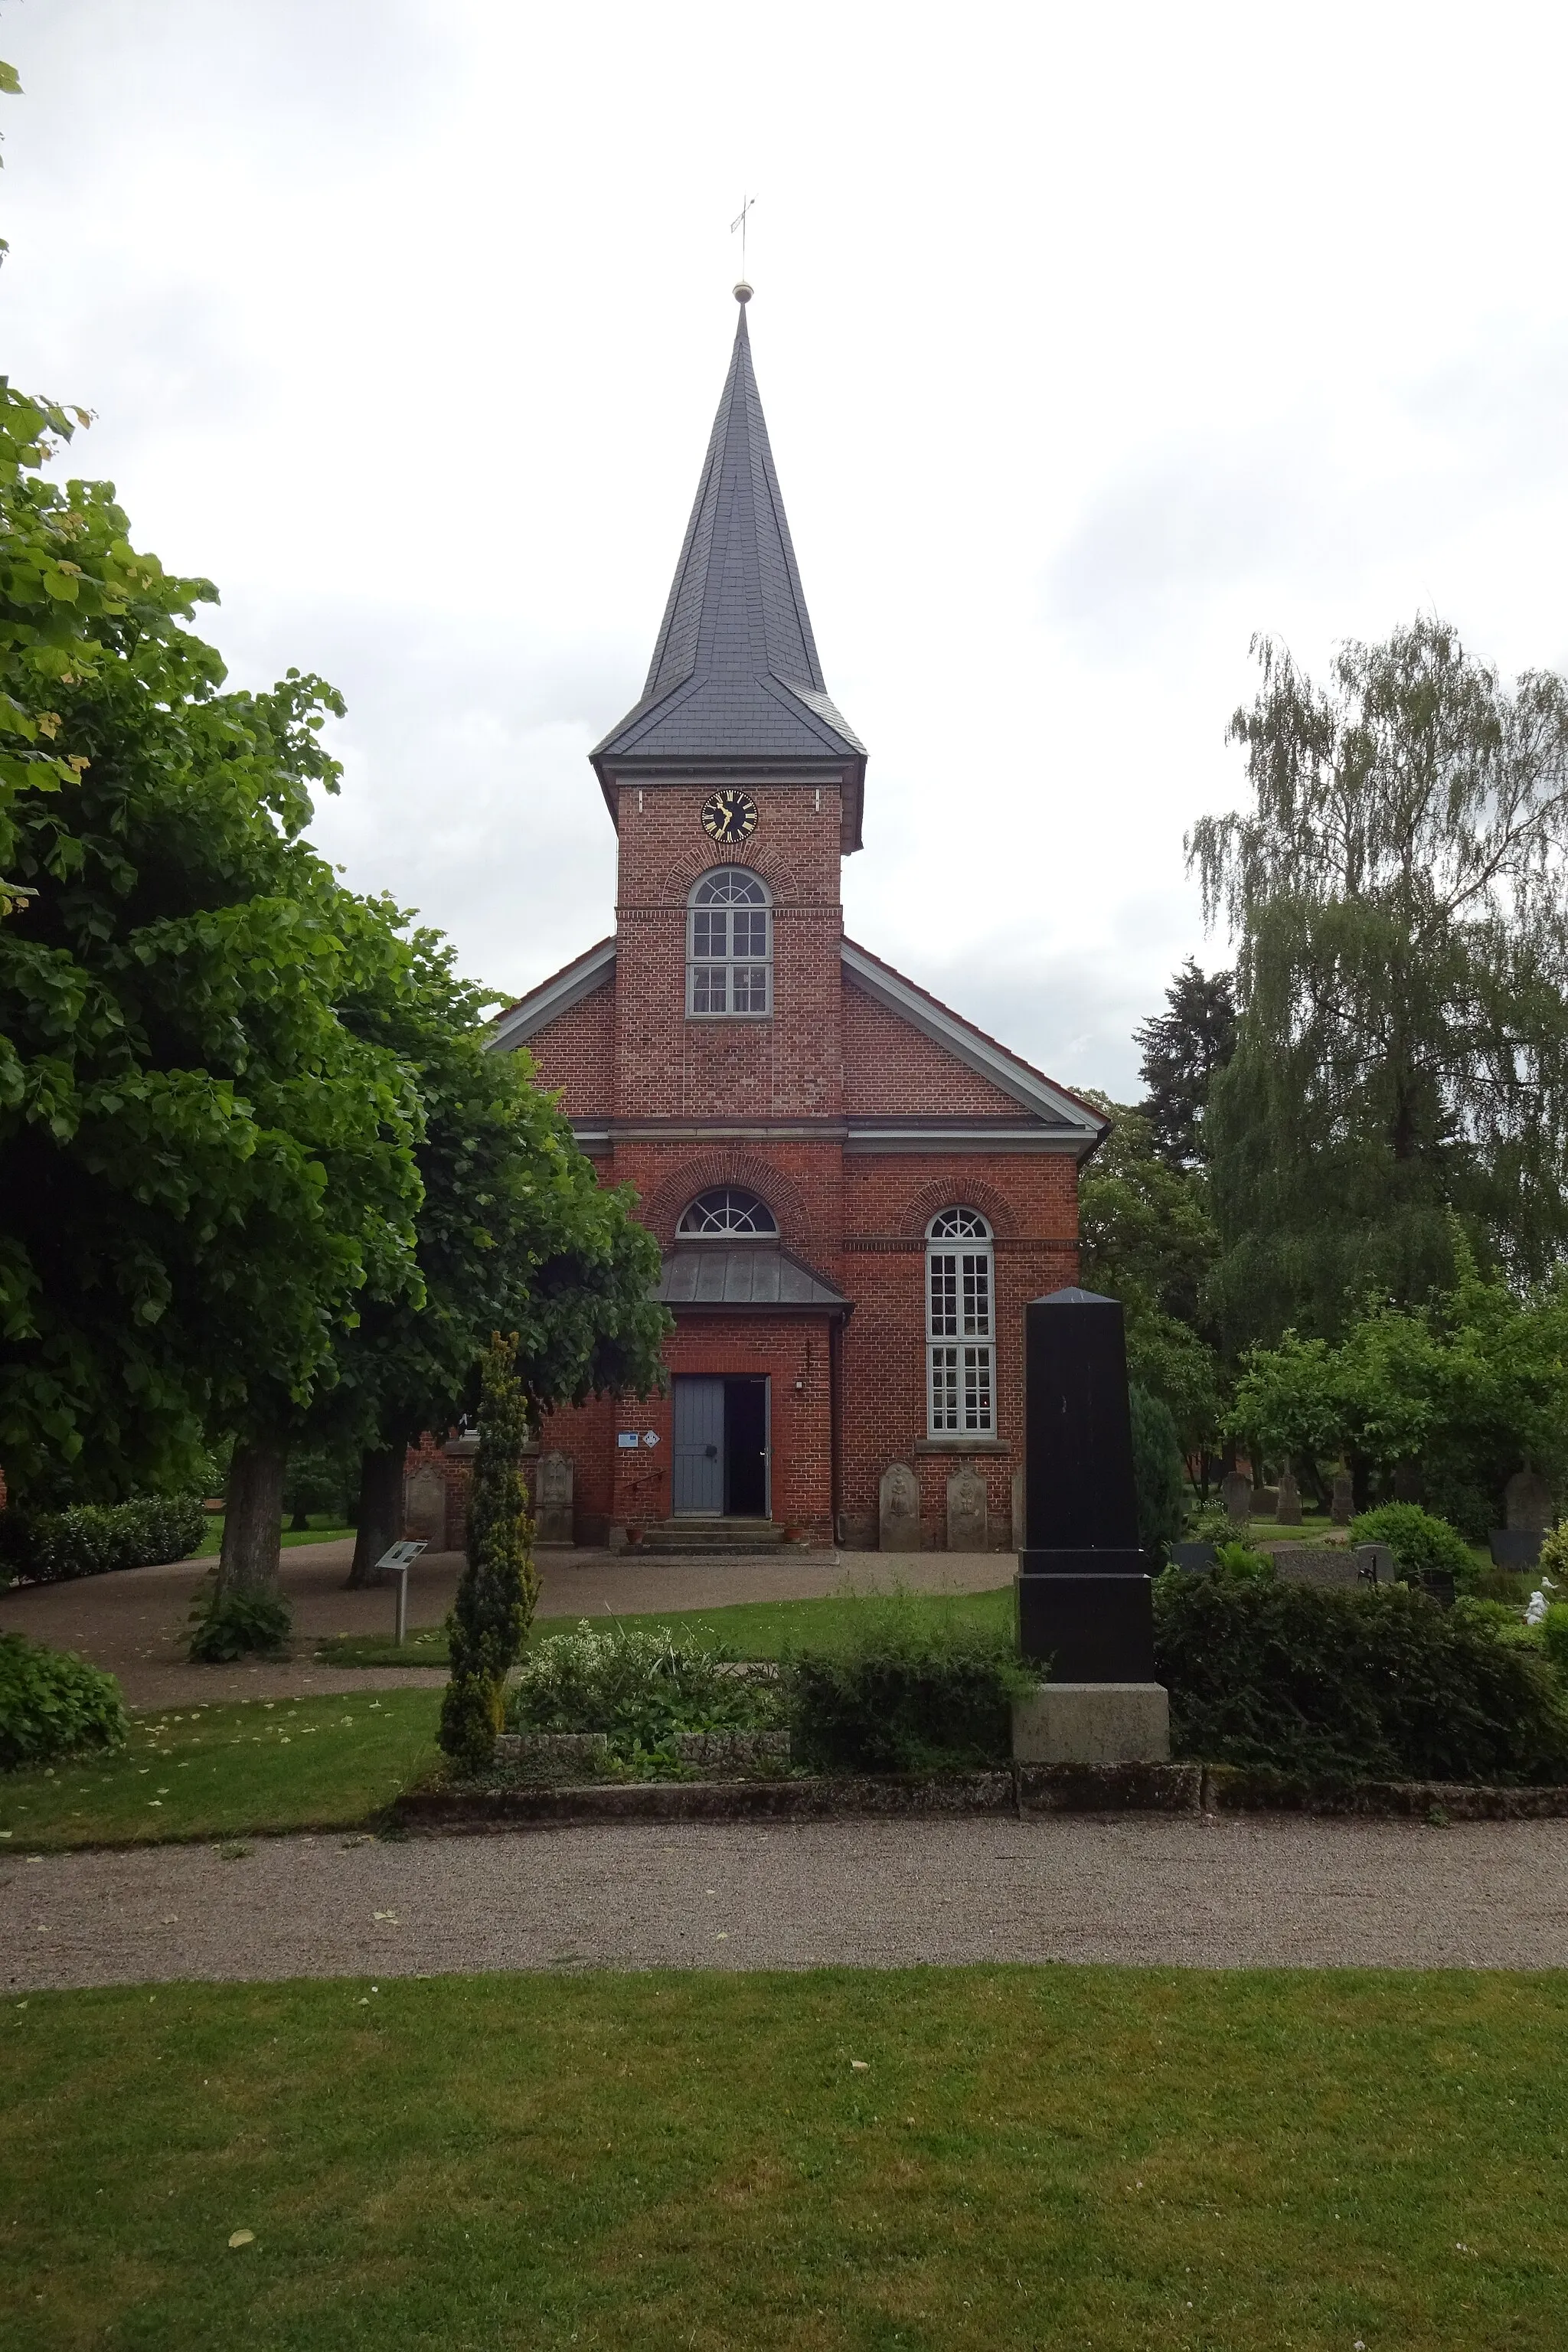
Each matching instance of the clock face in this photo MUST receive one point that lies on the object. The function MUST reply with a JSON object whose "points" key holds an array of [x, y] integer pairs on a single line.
{"points": [[729, 816]]}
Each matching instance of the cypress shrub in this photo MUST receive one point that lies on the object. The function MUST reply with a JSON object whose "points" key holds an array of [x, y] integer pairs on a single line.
{"points": [[499, 1585], [1374, 1683], [1159, 1474]]}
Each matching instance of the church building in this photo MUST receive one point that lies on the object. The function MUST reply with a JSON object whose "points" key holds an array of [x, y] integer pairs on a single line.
{"points": [[855, 1190]]}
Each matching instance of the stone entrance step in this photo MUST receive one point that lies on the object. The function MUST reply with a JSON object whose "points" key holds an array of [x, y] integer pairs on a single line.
{"points": [[730, 1536]]}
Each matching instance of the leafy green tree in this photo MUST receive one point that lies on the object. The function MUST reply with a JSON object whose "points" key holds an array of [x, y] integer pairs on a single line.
{"points": [[514, 1233], [206, 1170], [1185, 1048], [1402, 1044], [499, 1585], [1457, 1394], [1148, 1240]]}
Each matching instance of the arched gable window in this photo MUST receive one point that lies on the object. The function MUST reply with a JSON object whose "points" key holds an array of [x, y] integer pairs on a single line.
{"points": [[959, 1326], [727, 1213], [729, 945]]}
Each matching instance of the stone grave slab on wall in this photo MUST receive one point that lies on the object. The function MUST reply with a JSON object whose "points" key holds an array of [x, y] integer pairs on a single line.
{"points": [[425, 1508], [968, 1518], [898, 1509], [553, 1512]]}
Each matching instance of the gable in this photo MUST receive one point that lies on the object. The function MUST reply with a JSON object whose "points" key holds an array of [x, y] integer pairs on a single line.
{"points": [[1015, 1086], [568, 1026], [889, 1067]]}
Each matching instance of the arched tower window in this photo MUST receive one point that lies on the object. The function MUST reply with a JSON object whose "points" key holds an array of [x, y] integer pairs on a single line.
{"points": [[959, 1326], [729, 945], [728, 1212]]}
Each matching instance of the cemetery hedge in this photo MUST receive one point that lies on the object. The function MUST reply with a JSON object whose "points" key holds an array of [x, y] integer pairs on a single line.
{"points": [[899, 1692], [93, 1538], [1421, 1542], [1377, 1682]]}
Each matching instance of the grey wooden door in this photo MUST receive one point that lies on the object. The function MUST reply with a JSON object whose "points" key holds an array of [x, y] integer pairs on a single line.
{"points": [[698, 1448]]}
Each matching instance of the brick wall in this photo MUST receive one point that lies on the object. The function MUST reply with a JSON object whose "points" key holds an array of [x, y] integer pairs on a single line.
{"points": [[888, 1067], [576, 1053], [668, 1067]]}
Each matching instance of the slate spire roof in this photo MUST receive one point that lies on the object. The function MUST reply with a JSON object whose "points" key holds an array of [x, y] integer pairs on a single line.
{"points": [[735, 681]]}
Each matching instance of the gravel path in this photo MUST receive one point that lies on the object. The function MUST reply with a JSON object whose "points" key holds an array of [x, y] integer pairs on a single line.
{"points": [[1218, 1893], [136, 1624]]}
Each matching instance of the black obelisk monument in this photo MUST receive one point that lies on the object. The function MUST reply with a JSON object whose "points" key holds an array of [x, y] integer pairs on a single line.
{"points": [[1085, 1603]]}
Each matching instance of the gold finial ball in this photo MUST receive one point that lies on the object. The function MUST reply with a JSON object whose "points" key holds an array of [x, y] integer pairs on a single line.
{"points": [[742, 293]]}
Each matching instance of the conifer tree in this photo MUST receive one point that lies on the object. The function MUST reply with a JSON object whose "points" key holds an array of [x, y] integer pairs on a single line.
{"points": [[499, 1585]]}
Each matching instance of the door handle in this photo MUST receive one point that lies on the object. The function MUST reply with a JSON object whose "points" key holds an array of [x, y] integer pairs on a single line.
{"points": [[711, 1452]]}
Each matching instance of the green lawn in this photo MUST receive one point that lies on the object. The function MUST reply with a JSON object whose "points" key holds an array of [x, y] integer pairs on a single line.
{"points": [[320, 1530], [751, 1629], [1051, 2158], [222, 1771]]}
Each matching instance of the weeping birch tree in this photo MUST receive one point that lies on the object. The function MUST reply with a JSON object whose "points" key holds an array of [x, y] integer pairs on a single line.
{"points": [[1396, 891]]}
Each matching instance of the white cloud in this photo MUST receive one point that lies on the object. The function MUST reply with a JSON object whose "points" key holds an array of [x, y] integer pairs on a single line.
{"points": [[1091, 344]]}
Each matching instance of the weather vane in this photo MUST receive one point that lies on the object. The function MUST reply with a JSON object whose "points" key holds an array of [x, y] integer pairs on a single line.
{"points": [[740, 223]]}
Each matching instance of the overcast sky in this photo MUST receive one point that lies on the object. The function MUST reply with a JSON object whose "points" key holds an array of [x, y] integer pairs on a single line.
{"points": [[1092, 342]]}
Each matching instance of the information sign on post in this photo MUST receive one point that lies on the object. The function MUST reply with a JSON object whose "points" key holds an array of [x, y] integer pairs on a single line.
{"points": [[397, 1560]]}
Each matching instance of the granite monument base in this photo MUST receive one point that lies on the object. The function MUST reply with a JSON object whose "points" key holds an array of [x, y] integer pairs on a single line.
{"points": [[1093, 1723]]}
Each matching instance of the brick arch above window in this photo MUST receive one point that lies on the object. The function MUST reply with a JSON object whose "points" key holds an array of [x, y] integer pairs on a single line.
{"points": [[676, 884], [659, 1211], [959, 1192]]}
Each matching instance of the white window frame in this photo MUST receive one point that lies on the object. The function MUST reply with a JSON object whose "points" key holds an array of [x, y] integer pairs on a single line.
{"points": [[713, 970], [960, 1326], [726, 1213]]}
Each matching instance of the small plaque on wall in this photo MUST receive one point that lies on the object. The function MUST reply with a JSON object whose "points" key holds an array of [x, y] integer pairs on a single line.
{"points": [[627, 1437]]}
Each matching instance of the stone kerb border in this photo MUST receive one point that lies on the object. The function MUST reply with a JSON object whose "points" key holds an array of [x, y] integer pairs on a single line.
{"points": [[1028, 1790]]}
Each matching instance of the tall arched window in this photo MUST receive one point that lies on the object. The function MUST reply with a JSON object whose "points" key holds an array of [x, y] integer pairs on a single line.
{"points": [[728, 1212], [959, 1326], [729, 945]]}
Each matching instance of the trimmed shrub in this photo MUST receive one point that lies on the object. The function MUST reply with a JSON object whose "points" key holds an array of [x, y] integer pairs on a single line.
{"points": [[642, 1689], [898, 1694], [1418, 1540], [52, 1703], [95, 1538], [1374, 1683], [1159, 1474], [239, 1624]]}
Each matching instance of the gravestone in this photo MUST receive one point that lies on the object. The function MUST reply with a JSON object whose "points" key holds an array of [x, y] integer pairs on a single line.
{"points": [[1516, 1549], [1341, 1501], [1019, 1537], [1236, 1494], [553, 1515], [424, 1508], [1375, 1563], [1084, 1595], [1195, 1556], [1288, 1508], [968, 1518], [1303, 1564], [1527, 1500], [898, 1509]]}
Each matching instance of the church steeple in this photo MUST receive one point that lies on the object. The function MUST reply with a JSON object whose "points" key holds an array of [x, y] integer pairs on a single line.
{"points": [[735, 687]]}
